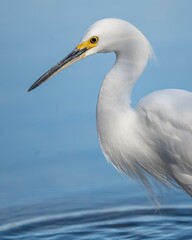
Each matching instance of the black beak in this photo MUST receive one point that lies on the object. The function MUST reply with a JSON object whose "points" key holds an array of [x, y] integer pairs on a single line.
{"points": [[71, 58]]}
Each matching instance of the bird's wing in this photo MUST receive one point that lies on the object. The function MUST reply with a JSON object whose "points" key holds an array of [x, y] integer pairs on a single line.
{"points": [[167, 118]]}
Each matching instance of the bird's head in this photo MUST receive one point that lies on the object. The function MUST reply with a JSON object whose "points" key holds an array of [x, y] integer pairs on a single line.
{"points": [[107, 35]]}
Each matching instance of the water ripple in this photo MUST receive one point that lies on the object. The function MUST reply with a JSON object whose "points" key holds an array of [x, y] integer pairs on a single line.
{"points": [[170, 222]]}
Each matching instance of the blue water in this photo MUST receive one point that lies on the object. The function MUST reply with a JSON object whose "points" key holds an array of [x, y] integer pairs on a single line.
{"points": [[98, 203], [110, 223], [81, 219]]}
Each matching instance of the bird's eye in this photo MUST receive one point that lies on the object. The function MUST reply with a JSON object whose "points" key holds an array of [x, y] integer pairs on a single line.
{"points": [[94, 39]]}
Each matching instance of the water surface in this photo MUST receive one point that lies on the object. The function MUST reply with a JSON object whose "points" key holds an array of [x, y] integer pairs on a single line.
{"points": [[80, 220]]}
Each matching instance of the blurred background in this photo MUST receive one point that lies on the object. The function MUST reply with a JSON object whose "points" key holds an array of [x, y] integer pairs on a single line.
{"points": [[48, 140]]}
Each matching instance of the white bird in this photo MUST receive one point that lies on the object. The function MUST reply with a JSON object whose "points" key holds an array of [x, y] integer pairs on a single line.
{"points": [[153, 139]]}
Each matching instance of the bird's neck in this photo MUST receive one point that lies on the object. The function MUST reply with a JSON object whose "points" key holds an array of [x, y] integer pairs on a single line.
{"points": [[117, 86], [117, 122]]}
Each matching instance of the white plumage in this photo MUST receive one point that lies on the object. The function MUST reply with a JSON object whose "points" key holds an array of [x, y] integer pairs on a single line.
{"points": [[155, 138]]}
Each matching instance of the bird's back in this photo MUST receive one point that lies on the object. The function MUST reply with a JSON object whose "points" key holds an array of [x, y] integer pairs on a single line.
{"points": [[167, 119]]}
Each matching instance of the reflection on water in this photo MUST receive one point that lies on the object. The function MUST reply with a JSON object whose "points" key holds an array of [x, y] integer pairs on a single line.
{"points": [[111, 223]]}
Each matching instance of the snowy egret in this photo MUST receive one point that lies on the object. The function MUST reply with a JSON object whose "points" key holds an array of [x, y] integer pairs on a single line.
{"points": [[155, 138]]}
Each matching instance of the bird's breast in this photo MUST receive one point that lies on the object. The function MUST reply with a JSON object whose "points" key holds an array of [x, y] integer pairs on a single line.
{"points": [[120, 137]]}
